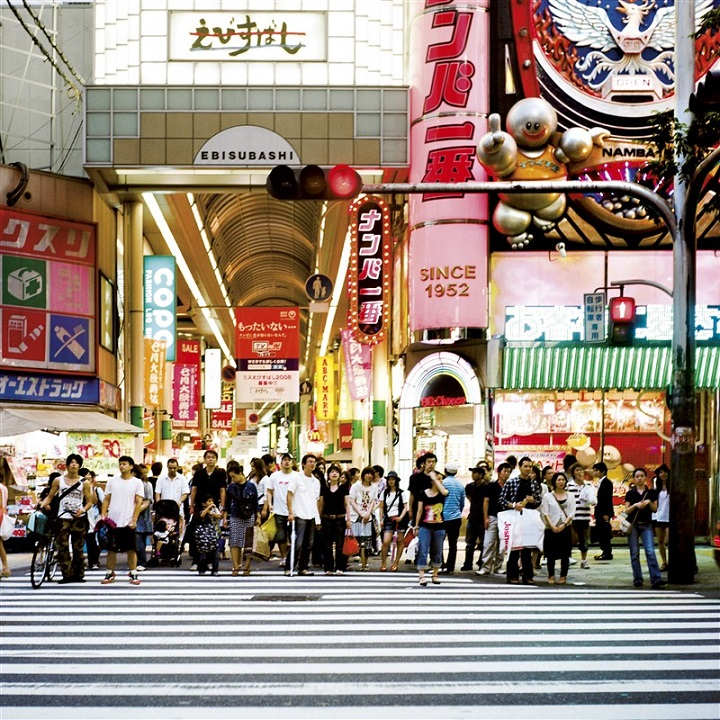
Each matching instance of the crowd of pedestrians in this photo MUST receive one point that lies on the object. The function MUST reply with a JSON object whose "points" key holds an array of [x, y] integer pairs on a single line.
{"points": [[307, 513]]}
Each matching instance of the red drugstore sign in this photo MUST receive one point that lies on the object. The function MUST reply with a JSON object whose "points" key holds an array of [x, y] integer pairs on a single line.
{"points": [[47, 300], [369, 282], [186, 385]]}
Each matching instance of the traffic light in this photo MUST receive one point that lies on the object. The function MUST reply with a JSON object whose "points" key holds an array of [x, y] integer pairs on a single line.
{"points": [[707, 96], [622, 320], [313, 183]]}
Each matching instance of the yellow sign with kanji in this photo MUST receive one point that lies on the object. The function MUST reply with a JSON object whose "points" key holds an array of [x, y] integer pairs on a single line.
{"points": [[325, 387], [154, 372]]}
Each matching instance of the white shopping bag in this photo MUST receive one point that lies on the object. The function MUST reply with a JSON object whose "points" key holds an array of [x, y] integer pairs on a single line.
{"points": [[518, 529]]}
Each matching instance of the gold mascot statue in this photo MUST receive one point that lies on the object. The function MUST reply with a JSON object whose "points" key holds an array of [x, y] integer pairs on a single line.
{"points": [[532, 149]]}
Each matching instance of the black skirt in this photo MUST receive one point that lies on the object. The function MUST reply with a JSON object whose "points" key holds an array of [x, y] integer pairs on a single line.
{"points": [[558, 545]]}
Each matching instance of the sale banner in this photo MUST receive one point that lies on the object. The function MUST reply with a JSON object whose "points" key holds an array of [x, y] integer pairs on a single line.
{"points": [[186, 385], [222, 419], [325, 387], [154, 372]]}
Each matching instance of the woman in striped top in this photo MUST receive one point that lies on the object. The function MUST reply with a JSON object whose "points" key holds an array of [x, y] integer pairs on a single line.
{"points": [[585, 498]]}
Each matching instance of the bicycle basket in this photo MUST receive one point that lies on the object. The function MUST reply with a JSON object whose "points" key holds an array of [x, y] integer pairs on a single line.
{"points": [[38, 523]]}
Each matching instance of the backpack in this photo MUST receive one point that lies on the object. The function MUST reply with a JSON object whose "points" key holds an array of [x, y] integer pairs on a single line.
{"points": [[243, 500]]}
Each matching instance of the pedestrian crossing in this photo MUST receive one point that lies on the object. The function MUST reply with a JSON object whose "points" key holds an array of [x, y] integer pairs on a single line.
{"points": [[364, 645]]}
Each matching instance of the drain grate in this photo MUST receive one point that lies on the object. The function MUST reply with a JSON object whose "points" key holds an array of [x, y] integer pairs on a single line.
{"points": [[285, 598]]}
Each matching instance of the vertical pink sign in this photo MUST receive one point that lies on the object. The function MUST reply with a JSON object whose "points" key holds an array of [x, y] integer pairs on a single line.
{"points": [[358, 365], [449, 104]]}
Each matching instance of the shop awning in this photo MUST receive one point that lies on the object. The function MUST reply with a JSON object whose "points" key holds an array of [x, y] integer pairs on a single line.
{"points": [[16, 421], [586, 367]]}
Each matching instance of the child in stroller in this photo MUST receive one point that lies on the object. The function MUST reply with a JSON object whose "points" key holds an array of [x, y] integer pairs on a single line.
{"points": [[166, 533]]}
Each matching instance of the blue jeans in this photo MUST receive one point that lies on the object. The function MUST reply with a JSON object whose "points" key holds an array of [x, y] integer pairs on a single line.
{"points": [[430, 540], [644, 533]]}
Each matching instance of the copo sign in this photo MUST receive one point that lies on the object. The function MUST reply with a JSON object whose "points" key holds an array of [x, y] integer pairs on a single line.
{"points": [[159, 300]]}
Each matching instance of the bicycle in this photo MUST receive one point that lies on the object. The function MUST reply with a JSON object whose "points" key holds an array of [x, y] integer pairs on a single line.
{"points": [[44, 561]]}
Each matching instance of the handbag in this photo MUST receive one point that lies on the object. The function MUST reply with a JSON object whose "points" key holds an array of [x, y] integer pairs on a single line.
{"points": [[625, 525], [260, 545], [269, 527], [7, 526], [350, 544], [409, 536], [37, 523]]}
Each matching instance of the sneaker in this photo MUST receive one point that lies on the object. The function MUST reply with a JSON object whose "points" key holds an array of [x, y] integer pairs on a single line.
{"points": [[140, 568], [481, 572], [339, 572], [585, 565], [573, 561], [133, 579], [423, 582], [109, 578]]}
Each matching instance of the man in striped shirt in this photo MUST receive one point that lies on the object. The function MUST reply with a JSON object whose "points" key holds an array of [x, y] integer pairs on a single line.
{"points": [[584, 499]]}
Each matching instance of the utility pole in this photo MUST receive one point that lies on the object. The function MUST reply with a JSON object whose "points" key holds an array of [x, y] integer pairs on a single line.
{"points": [[681, 558]]}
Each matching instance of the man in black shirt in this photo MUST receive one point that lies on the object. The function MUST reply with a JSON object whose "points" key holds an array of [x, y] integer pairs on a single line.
{"points": [[640, 504], [208, 482], [491, 561], [475, 492], [603, 511], [421, 480]]}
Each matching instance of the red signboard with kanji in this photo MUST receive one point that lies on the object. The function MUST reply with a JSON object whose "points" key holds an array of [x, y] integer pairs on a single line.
{"points": [[47, 293], [369, 279], [267, 333]]}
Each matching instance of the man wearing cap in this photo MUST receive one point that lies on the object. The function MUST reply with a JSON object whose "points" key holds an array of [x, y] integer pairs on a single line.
{"points": [[474, 529], [452, 514]]}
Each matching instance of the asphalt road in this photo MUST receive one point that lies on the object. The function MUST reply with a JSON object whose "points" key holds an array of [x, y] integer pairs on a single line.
{"points": [[364, 645]]}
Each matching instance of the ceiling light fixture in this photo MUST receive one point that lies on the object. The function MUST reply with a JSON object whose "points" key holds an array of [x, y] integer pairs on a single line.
{"points": [[164, 228]]}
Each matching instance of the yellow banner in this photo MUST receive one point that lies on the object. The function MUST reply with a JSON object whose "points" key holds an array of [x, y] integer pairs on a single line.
{"points": [[154, 372], [325, 387]]}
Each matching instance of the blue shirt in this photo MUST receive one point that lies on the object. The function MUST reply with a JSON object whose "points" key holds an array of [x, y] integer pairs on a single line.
{"points": [[455, 499]]}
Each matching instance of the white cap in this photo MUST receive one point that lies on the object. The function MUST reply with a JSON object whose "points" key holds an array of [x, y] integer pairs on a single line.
{"points": [[451, 469]]}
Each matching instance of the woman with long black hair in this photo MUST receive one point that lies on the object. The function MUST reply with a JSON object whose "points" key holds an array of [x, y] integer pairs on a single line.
{"points": [[661, 518]]}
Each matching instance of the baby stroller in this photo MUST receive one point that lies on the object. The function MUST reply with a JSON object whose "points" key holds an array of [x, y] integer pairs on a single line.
{"points": [[166, 533]]}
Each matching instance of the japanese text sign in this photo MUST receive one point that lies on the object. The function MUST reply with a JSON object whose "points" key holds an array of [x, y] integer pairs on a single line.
{"points": [[325, 387], [154, 372], [186, 384], [594, 314], [358, 366], [267, 348], [47, 293], [369, 282], [100, 451], [159, 299], [49, 389], [449, 103], [247, 36]]}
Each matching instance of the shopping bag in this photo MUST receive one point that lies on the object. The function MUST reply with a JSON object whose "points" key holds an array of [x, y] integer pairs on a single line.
{"points": [[269, 527], [350, 545], [529, 530], [260, 546], [505, 521], [409, 536], [7, 526]]}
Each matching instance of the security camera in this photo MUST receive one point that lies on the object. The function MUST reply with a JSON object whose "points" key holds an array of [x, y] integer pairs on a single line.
{"points": [[560, 249]]}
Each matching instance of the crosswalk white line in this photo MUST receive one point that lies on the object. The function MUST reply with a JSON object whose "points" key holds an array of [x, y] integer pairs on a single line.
{"points": [[563, 637], [410, 666], [312, 688], [367, 650], [552, 711]]}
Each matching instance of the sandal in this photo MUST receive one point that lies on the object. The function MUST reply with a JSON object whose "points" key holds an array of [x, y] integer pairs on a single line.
{"points": [[551, 581], [435, 581], [562, 581], [394, 567], [5, 573], [383, 568], [423, 582], [246, 572], [235, 572]]}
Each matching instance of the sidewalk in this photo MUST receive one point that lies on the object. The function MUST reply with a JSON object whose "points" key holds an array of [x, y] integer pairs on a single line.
{"points": [[614, 574]]}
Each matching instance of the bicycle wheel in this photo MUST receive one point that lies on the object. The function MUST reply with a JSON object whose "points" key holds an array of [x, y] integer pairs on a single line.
{"points": [[51, 563], [38, 567]]}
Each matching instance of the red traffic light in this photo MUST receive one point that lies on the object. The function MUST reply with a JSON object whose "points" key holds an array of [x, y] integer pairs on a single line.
{"points": [[344, 182], [622, 309], [313, 183]]}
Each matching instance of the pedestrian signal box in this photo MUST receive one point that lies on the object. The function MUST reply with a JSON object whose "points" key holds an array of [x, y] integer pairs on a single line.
{"points": [[313, 183], [622, 320]]}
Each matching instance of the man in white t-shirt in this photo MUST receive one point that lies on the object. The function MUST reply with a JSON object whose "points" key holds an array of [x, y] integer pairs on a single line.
{"points": [[171, 485], [124, 497], [276, 490], [302, 502]]}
